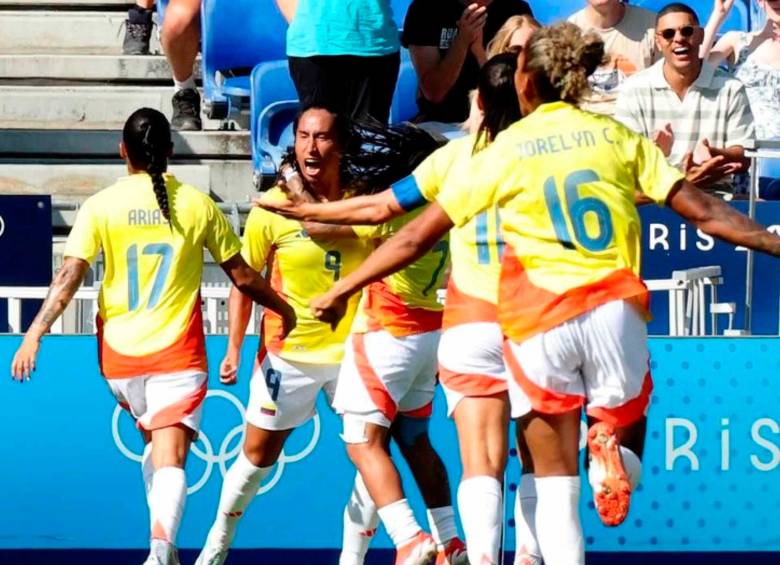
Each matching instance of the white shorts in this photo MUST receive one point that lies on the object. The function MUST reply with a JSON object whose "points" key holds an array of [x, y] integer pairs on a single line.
{"points": [[382, 376], [598, 359], [160, 401], [283, 394], [471, 364]]}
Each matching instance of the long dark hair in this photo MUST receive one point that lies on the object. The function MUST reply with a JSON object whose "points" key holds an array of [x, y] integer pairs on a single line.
{"points": [[374, 155], [500, 105], [147, 140]]}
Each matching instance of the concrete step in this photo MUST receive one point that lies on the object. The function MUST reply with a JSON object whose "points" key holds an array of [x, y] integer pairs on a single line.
{"points": [[69, 182], [36, 32], [86, 107], [50, 145], [85, 68], [77, 107]]}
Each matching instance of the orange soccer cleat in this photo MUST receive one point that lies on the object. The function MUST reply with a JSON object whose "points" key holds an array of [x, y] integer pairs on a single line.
{"points": [[453, 553], [420, 551], [612, 493]]}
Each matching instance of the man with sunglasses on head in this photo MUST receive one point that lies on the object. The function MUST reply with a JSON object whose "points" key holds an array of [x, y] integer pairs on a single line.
{"points": [[696, 113]]}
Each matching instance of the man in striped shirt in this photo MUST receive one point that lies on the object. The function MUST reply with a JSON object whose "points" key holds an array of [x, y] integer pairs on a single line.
{"points": [[697, 114]]}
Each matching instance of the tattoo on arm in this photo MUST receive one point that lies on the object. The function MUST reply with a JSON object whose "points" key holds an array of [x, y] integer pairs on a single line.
{"points": [[65, 284]]}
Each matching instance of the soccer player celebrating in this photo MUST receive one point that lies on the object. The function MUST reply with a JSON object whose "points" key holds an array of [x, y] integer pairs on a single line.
{"points": [[152, 230], [571, 303], [471, 365]]}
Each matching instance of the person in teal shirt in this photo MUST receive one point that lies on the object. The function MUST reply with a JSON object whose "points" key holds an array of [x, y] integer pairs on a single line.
{"points": [[343, 54]]}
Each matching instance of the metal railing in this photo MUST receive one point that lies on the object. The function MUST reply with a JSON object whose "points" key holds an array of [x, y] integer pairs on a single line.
{"points": [[79, 317], [689, 305]]}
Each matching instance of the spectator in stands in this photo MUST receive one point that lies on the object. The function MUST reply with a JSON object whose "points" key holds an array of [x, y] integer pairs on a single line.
{"points": [[754, 59], [515, 33], [447, 39], [138, 28], [343, 54], [181, 43], [696, 113], [628, 35]]}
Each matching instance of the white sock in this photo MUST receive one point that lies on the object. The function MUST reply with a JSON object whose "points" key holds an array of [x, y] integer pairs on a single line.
{"points": [[525, 521], [558, 525], [442, 523], [147, 470], [167, 498], [480, 503], [631, 463], [239, 488], [399, 522], [188, 82], [360, 522]]}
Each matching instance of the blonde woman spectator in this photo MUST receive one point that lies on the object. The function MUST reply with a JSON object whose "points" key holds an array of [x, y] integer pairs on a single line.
{"points": [[754, 59], [628, 36], [515, 33]]}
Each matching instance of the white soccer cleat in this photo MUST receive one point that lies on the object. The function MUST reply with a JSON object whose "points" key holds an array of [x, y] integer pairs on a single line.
{"points": [[162, 553], [212, 556]]}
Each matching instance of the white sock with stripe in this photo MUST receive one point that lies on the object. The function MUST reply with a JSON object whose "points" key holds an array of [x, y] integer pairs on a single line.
{"points": [[558, 527], [360, 522], [242, 481], [528, 551], [399, 522], [480, 503], [442, 524], [167, 498]]}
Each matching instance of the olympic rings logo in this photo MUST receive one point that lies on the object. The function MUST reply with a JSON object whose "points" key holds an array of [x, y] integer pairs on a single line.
{"points": [[223, 455]]}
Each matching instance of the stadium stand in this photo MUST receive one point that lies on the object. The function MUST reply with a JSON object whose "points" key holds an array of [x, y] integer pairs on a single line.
{"points": [[236, 36]]}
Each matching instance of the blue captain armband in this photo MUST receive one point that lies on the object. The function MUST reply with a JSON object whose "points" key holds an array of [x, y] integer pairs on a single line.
{"points": [[408, 194]]}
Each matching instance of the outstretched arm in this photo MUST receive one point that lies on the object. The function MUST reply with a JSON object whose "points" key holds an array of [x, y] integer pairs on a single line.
{"points": [[716, 218], [65, 284], [409, 244], [371, 209], [709, 50]]}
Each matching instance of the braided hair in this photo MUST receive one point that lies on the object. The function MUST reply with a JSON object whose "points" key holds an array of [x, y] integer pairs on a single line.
{"points": [[147, 140]]}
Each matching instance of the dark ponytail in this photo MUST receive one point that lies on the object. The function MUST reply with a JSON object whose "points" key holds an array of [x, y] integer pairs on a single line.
{"points": [[147, 140], [500, 105]]}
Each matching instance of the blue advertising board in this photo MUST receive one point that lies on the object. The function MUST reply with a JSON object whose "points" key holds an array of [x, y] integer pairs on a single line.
{"points": [[669, 244], [71, 477], [25, 248]]}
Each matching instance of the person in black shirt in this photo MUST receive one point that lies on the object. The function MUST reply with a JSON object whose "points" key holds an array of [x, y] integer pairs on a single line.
{"points": [[447, 39]]}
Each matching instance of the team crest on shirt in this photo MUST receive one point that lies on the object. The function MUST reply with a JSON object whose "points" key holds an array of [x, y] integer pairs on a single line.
{"points": [[303, 234]]}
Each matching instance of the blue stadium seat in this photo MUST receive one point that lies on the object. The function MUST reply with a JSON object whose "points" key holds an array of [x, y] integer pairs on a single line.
{"points": [[274, 104], [236, 36], [739, 19], [160, 5], [404, 106]]}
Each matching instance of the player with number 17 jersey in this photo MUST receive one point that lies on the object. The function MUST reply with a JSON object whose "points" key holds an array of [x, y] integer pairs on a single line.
{"points": [[149, 319], [299, 268]]}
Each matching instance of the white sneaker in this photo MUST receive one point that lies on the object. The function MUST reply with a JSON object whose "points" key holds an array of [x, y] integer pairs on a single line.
{"points": [[162, 553], [211, 556]]}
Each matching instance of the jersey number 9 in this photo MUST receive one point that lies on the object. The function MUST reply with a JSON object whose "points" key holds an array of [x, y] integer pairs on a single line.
{"points": [[577, 208], [333, 263]]}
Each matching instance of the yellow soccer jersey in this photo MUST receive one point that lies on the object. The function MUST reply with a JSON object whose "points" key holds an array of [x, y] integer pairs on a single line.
{"points": [[405, 302], [476, 247], [565, 180], [150, 314], [301, 269]]}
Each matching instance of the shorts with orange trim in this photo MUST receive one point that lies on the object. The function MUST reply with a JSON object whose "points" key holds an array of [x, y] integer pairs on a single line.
{"points": [[598, 360], [164, 400], [471, 365], [383, 375]]}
